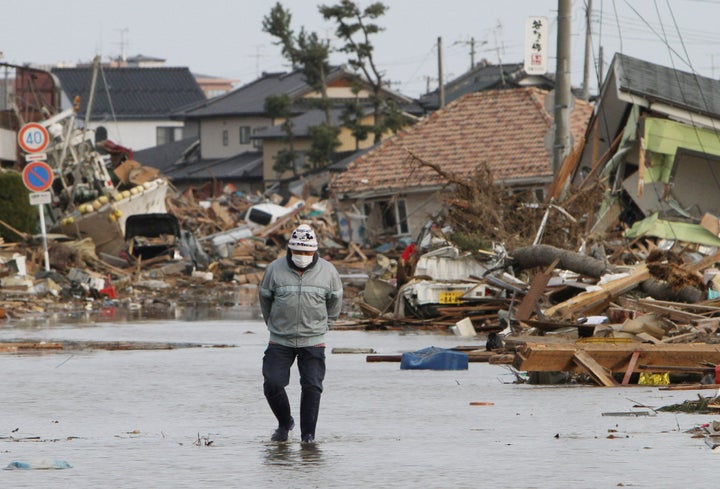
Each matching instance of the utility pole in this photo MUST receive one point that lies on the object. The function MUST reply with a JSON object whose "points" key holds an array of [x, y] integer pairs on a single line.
{"points": [[441, 90], [472, 53], [588, 44], [562, 85]]}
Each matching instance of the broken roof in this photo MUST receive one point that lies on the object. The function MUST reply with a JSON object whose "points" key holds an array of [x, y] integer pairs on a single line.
{"points": [[654, 83], [504, 128]]}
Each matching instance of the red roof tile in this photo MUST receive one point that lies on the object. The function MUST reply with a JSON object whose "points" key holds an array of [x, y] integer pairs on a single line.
{"points": [[504, 128]]}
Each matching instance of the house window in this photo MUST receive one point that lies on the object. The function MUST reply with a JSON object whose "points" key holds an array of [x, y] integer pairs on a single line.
{"points": [[164, 135], [245, 135], [215, 92], [391, 214], [225, 137], [401, 217], [257, 142]]}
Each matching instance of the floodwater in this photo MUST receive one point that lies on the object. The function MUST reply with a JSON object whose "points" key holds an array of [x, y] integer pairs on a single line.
{"points": [[196, 417]]}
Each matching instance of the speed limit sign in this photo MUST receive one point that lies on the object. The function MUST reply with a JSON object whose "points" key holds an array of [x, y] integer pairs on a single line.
{"points": [[33, 138]]}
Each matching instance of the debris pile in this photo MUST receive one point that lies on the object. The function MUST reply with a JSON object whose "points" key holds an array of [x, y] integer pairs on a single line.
{"points": [[203, 251]]}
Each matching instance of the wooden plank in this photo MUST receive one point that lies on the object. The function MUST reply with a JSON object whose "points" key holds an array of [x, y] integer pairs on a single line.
{"points": [[14, 346], [647, 338], [669, 312], [707, 323], [677, 368], [698, 308], [281, 222], [689, 387], [501, 359], [704, 263], [543, 326], [599, 299], [537, 288], [558, 357], [594, 369], [681, 338], [631, 367]]}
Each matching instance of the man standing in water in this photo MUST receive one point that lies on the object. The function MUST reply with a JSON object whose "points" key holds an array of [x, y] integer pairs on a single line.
{"points": [[300, 297]]}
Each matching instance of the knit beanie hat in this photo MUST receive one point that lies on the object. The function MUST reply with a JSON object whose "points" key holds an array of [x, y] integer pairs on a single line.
{"points": [[303, 238]]}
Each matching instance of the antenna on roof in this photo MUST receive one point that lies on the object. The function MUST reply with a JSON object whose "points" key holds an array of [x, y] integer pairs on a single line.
{"points": [[472, 43], [123, 43], [499, 48]]}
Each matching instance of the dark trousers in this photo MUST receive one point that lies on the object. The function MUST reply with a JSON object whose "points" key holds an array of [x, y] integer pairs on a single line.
{"points": [[276, 373]]}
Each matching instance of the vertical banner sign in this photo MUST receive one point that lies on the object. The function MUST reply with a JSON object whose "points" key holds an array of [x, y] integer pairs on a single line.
{"points": [[536, 45]]}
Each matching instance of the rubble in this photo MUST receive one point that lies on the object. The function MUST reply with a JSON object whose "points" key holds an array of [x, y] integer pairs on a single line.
{"points": [[643, 308], [612, 279], [168, 260]]}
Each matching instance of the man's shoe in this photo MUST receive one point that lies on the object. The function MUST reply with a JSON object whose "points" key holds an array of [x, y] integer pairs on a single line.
{"points": [[281, 433], [307, 439]]}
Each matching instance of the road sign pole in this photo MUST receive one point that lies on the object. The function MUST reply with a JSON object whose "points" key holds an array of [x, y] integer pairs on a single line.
{"points": [[40, 199], [44, 237]]}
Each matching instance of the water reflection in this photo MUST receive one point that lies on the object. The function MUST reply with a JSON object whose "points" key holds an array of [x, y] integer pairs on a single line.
{"points": [[293, 454], [278, 454], [311, 454], [124, 314]]}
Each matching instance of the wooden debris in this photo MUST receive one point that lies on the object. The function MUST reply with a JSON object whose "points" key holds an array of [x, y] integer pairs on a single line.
{"points": [[593, 368], [595, 301], [614, 358]]}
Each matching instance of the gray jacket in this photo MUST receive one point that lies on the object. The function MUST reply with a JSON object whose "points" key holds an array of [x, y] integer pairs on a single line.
{"points": [[299, 309]]}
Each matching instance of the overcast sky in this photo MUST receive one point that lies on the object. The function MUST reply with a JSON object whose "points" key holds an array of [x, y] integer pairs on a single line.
{"points": [[224, 37]]}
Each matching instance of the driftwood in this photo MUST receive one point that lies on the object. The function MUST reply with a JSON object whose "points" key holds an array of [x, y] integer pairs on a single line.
{"points": [[544, 255]]}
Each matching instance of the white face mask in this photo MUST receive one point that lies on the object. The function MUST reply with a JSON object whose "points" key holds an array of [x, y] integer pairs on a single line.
{"points": [[302, 261]]}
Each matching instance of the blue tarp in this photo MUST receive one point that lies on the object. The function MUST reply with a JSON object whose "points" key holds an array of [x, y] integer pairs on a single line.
{"points": [[40, 464], [434, 358]]}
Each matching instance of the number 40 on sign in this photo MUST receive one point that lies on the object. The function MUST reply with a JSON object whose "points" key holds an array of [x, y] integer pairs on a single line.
{"points": [[33, 138]]}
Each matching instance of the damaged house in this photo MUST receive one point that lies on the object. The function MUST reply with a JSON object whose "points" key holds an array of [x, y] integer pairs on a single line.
{"points": [[653, 141], [393, 194]]}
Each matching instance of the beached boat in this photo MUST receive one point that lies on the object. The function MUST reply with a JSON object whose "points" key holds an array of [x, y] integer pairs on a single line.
{"points": [[88, 199], [90, 196]]}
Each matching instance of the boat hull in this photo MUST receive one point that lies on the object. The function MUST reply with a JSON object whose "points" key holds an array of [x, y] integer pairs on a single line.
{"points": [[105, 223]]}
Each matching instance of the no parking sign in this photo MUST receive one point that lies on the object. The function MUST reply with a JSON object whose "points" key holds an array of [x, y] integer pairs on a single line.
{"points": [[37, 176]]}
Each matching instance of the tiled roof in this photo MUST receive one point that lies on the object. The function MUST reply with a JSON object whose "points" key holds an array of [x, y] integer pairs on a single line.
{"points": [[134, 93], [249, 100], [244, 166], [165, 156], [504, 128], [178, 161], [481, 77], [301, 124]]}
